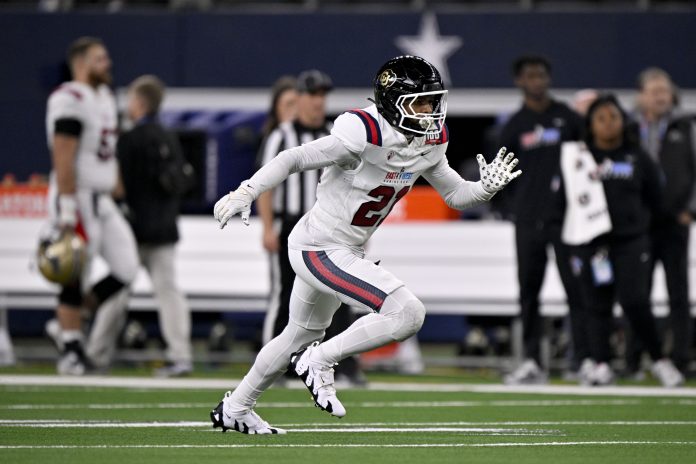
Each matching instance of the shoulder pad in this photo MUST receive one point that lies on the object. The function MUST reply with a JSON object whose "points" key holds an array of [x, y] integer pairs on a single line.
{"points": [[66, 101], [374, 133], [68, 91]]}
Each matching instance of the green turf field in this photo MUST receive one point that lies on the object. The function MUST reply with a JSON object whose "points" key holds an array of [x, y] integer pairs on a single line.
{"points": [[149, 424]]}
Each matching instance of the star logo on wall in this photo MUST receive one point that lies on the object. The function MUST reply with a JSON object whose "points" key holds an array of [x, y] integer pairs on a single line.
{"points": [[430, 45]]}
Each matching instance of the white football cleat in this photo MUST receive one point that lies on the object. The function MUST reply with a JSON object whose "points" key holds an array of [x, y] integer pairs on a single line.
{"points": [[587, 367], [69, 363], [248, 422], [319, 381], [667, 374], [174, 369], [73, 361], [602, 375], [527, 373]]}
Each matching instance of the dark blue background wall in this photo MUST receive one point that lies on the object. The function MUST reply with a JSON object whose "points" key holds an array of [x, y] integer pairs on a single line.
{"points": [[238, 50]]}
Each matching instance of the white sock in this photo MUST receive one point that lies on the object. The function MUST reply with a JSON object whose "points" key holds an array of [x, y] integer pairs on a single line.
{"points": [[271, 362], [68, 336]]}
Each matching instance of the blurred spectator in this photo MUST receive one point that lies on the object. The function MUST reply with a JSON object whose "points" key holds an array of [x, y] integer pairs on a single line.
{"points": [[155, 176], [281, 208], [670, 139], [112, 6], [612, 258], [535, 133], [51, 6], [283, 111], [283, 104]]}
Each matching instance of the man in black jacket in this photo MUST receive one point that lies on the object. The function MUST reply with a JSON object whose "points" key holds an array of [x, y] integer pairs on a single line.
{"points": [[670, 140], [155, 176], [535, 133]]}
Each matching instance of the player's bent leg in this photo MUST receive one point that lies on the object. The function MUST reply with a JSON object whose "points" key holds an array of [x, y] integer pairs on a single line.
{"points": [[102, 291], [106, 327], [398, 314], [310, 314], [247, 422], [400, 317], [313, 310], [113, 240], [117, 245], [72, 359], [236, 410], [270, 363]]}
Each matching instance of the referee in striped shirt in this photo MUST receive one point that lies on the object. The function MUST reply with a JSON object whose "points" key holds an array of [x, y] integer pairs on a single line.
{"points": [[280, 209]]}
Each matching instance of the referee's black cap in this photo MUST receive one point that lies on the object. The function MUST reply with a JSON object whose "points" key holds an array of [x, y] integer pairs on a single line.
{"points": [[314, 81]]}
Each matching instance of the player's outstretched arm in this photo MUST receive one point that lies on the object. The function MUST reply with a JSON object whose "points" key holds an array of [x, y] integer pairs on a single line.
{"points": [[496, 175], [459, 193], [314, 155]]}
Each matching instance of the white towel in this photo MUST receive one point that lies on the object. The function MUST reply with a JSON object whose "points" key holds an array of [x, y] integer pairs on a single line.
{"points": [[586, 215]]}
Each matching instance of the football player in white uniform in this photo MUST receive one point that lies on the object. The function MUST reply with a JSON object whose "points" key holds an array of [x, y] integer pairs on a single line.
{"points": [[81, 124], [371, 160]]}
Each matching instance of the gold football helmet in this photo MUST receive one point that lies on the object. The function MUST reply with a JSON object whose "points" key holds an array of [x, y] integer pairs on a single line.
{"points": [[62, 256]]}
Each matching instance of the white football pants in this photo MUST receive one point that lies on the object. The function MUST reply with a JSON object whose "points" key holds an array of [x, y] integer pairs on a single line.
{"points": [[324, 280]]}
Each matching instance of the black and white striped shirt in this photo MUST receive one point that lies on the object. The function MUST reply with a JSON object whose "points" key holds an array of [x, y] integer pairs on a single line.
{"points": [[297, 194]]}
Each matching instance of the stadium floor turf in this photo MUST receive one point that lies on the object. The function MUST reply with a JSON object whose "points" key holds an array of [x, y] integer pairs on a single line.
{"points": [[147, 421]]}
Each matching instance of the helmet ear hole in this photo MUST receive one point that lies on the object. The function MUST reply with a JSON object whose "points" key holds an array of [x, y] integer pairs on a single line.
{"points": [[62, 256], [410, 77]]}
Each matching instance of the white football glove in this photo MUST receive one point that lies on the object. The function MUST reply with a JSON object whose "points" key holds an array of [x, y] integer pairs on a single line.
{"points": [[498, 173], [237, 202], [67, 211]]}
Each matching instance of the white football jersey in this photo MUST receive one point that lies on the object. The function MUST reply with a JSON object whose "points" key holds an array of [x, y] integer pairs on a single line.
{"points": [[96, 167], [352, 201]]}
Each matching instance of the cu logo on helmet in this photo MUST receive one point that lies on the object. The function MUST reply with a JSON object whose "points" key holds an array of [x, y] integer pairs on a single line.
{"points": [[387, 78]]}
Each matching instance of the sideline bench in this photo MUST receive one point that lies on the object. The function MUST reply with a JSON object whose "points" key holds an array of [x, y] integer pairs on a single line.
{"points": [[455, 267]]}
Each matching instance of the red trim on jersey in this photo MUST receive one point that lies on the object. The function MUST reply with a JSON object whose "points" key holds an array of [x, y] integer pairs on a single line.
{"points": [[374, 134], [444, 135]]}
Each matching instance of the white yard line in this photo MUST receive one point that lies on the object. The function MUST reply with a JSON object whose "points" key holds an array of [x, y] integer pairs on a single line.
{"points": [[322, 426], [364, 445], [500, 423], [425, 428], [142, 383], [308, 404]]}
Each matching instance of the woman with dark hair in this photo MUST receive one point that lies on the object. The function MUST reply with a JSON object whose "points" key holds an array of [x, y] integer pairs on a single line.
{"points": [[609, 188], [283, 104]]}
